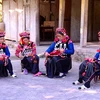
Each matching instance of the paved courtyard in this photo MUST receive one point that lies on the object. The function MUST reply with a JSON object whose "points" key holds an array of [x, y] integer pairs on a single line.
{"points": [[28, 87]]}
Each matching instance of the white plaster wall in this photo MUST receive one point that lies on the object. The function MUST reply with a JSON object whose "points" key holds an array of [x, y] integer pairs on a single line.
{"points": [[6, 18], [34, 21], [20, 18], [13, 21]]}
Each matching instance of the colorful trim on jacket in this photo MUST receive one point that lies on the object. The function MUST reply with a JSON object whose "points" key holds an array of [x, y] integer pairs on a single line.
{"points": [[21, 47]]}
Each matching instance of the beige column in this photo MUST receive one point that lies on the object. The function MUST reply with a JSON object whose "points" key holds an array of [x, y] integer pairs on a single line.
{"points": [[84, 23], [6, 4], [34, 21], [61, 12], [20, 13]]}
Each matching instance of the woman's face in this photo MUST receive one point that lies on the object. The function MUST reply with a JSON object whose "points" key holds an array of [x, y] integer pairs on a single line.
{"points": [[2, 39], [25, 40], [60, 36]]}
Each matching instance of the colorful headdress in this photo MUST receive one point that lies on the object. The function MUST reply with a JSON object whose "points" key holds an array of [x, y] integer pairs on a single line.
{"points": [[61, 31], [24, 34]]}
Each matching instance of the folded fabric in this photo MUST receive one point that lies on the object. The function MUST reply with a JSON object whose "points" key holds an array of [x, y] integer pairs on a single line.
{"points": [[55, 52]]}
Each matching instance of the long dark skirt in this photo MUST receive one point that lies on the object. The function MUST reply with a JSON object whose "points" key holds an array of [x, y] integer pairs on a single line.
{"points": [[32, 65], [57, 64], [3, 70], [95, 73], [86, 69]]}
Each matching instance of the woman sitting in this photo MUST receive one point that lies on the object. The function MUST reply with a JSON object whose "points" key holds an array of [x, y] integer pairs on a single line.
{"points": [[5, 63], [58, 55], [88, 69], [26, 51]]}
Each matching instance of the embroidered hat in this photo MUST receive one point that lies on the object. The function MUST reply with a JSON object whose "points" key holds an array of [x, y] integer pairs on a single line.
{"points": [[24, 34], [2, 33], [61, 31]]}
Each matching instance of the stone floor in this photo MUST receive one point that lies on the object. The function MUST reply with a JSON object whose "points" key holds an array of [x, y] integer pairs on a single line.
{"points": [[27, 87]]}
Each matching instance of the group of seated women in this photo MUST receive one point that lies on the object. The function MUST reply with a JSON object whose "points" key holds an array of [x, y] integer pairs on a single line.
{"points": [[57, 58]]}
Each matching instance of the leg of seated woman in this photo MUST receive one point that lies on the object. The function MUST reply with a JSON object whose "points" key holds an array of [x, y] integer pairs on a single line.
{"points": [[82, 68], [3, 70], [87, 83], [25, 63], [51, 66], [9, 67], [35, 65], [65, 64]]}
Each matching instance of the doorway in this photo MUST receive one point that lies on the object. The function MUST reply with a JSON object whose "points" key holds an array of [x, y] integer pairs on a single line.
{"points": [[47, 20], [94, 18], [49, 17]]}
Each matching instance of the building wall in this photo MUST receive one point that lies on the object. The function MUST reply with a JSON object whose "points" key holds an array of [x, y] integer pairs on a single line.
{"points": [[75, 20], [12, 18], [16, 21], [6, 18], [20, 18]]}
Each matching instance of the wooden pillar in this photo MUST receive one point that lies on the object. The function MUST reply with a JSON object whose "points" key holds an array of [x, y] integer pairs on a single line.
{"points": [[34, 21], [61, 12], [84, 23]]}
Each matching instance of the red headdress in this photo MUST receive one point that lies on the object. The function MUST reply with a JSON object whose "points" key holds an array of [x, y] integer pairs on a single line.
{"points": [[61, 31], [23, 35]]}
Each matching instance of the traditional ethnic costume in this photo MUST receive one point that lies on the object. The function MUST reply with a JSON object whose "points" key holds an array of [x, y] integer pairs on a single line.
{"points": [[58, 63], [88, 70], [29, 63], [5, 63]]}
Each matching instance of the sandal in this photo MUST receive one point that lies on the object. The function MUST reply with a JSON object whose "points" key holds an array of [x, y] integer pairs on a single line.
{"points": [[38, 74]]}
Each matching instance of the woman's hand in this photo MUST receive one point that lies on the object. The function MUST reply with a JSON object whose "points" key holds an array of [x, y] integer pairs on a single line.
{"points": [[30, 54], [46, 54], [61, 51], [21, 57]]}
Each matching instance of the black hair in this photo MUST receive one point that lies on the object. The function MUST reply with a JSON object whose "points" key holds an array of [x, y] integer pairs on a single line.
{"points": [[60, 32], [26, 37], [1, 36]]}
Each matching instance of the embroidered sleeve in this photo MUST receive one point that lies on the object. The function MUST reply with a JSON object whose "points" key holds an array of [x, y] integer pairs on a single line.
{"points": [[70, 41], [7, 52], [18, 50], [33, 49]]}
